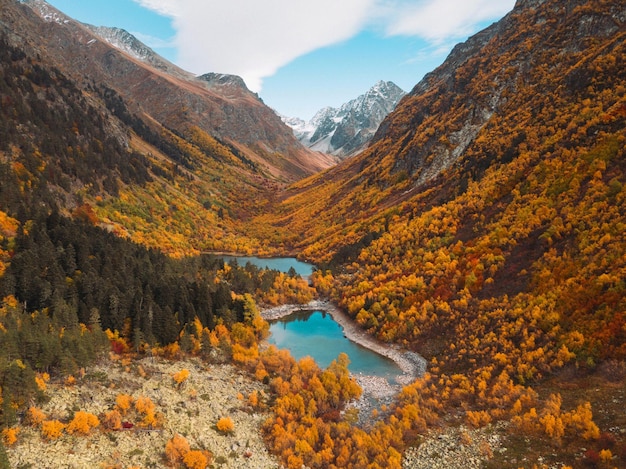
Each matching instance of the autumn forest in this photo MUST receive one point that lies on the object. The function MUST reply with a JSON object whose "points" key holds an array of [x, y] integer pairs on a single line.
{"points": [[484, 228]]}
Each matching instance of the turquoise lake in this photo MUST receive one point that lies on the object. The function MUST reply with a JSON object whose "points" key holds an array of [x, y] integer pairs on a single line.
{"points": [[282, 264], [316, 334]]}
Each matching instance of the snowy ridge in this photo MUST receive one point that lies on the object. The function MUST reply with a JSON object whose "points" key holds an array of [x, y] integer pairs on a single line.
{"points": [[129, 44], [124, 41], [116, 37], [346, 131], [46, 11]]}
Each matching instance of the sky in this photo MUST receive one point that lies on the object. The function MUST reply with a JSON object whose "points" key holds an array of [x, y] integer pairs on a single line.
{"points": [[299, 55]]}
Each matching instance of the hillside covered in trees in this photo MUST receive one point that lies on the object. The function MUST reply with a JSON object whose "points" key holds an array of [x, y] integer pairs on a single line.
{"points": [[484, 228]]}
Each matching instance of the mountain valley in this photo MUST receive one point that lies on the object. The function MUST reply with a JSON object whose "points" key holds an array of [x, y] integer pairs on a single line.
{"points": [[478, 220]]}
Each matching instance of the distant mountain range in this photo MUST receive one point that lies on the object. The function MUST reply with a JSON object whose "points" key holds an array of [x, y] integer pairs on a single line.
{"points": [[347, 130]]}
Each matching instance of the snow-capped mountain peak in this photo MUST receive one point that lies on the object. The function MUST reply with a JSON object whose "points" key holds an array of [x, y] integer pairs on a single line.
{"points": [[123, 40], [347, 130]]}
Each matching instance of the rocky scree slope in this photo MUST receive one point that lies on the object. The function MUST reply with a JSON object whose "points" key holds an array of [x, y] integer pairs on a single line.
{"points": [[191, 409]]}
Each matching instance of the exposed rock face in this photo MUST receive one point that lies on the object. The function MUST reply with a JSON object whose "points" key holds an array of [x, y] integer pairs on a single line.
{"points": [[347, 130], [224, 80], [124, 41], [152, 86]]}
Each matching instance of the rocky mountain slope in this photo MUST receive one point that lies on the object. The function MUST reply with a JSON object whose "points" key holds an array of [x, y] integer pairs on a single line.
{"points": [[125, 41], [117, 127], [166, 94], [481, 106], [347, 130]]}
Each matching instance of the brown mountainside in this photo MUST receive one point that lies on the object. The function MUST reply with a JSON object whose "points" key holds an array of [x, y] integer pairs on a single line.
{"points": [[164, 93], [151, 152]]}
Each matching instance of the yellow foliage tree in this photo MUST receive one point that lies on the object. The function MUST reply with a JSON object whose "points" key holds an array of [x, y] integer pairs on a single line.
{"points": [[9, 435], [581, 420], [176, 448], [124, 403], [181, 376], [145, 406], [52, 429], [253, 399], [35, 416], [112, 420], [606, 455], [195, 459], [41, 380], [178, 453]]}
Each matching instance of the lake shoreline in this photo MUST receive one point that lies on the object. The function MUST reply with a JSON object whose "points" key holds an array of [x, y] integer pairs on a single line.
{"points": [[412, 364]]}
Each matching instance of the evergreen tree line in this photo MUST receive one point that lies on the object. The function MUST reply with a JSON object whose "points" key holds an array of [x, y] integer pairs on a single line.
{"points": [[72, 269], [68, 280]]}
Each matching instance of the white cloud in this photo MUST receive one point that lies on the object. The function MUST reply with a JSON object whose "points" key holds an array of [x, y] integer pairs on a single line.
{"points": [[254, 38], [442, 20], [163, 7], [154, 42]]}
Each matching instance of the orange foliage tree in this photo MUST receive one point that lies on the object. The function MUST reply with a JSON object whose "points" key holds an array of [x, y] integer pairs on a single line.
{"points": [[9, 435], [225, 425], [82, 423], [52, 429], [180, 376], [178, 452]]}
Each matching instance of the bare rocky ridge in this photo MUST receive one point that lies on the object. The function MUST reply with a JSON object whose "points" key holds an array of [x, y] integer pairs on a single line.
{"points": [[125, 41]]}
